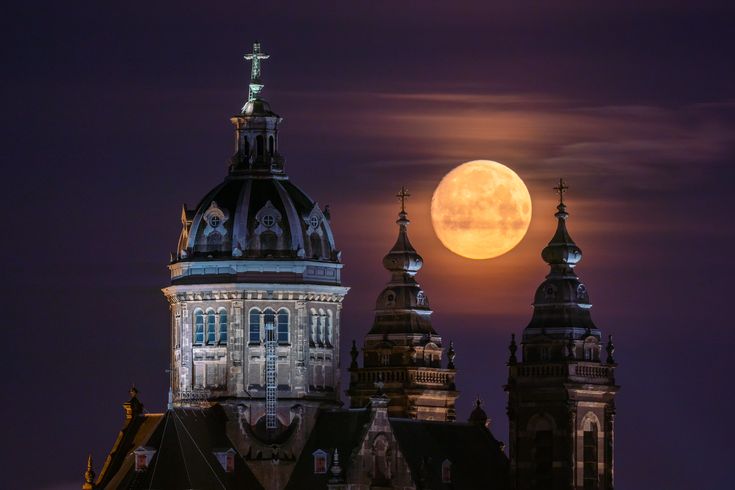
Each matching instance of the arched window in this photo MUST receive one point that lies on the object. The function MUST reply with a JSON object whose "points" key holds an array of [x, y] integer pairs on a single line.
{"points": [[283, 327], [446, 471], [259, 145], [316, 245], [254, 326], [271, 145], [590, 455], [198, 327], [211, 327], [381, 460], [223, 324], [269, 320], [320, 462]]}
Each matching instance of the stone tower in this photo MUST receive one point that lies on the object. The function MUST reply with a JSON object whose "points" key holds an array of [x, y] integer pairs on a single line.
{"points": [[561, 393], [256, 295], [402, 353]]}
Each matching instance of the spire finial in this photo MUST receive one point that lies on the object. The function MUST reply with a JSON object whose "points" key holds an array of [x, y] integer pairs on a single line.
{"points": [[561, 189], [403, 195], [89, 475], [255, 84], [512, 348]]}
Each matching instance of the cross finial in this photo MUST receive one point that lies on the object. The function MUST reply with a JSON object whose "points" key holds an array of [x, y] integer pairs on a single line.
{"points": [[255, 85], [403, 195], [561, 189]]}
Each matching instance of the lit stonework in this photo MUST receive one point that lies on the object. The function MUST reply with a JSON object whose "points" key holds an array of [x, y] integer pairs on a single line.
{"points": [[561, 405], [402, 353]]}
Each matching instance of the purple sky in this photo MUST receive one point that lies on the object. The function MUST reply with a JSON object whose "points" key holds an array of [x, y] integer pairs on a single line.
{"points": [[115, 116]]}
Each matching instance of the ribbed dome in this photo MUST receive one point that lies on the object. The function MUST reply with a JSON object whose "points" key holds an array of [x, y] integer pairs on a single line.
{"points": [[255, 217]]}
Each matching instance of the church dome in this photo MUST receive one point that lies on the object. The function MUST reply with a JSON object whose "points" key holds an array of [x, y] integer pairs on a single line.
{"points": [[256, 213], [255, 217]]}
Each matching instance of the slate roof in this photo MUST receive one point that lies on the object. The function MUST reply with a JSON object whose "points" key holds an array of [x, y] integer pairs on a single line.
{"points": [[184, 440], [341, 429], [477, 461]]}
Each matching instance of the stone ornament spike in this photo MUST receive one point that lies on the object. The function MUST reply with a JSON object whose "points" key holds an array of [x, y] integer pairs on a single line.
{"points": [[89, 475]]}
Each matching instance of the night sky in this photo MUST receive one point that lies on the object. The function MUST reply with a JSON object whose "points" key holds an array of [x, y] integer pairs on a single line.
{"points": [[112, 117]]}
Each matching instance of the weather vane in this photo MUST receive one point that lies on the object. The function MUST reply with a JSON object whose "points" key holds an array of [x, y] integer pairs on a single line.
{"points": [[561, 189], [255, 85], [402, 196]]}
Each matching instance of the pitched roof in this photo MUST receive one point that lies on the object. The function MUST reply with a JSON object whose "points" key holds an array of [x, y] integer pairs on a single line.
{"points": [[184, 440], [475, 455], [341, 429]]}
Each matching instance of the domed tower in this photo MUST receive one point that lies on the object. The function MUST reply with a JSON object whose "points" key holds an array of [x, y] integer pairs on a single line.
{"points": [[255, 292], [402, 353], [561, 393]]}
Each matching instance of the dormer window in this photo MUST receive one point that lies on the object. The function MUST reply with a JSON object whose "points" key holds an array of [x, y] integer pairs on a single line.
{"points": [[320, 462], [226, 458], [143, 456], [447, 471]]}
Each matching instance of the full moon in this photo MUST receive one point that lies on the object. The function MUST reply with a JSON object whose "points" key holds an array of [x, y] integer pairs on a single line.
{"points": [[481, 209]]}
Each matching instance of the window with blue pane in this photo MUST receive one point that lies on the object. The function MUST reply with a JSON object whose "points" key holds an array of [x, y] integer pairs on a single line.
{"points": [[198, 327], [211, 326], [269, 318], [223, 326], [283, 327], [254, 326]]}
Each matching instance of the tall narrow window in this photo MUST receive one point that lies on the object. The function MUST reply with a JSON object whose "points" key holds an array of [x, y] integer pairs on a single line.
{"points": [[447, 471], [271, 145], [269, 317], [223, 324], [590, 457], [198, 327], [259, 145], [313, 327], [543, 459], [322, 327], [254, 325], [283, 327], [211, 325]]}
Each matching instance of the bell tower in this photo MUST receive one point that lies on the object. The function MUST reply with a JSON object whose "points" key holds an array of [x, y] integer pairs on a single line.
{"points": [[561, 392], [402, 353]]}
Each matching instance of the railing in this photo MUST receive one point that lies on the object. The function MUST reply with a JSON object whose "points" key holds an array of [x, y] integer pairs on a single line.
{"points": [[564, 370], [406, 376]]}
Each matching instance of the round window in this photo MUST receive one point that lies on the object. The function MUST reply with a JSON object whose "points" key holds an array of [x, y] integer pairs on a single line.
{"points": [[214, 221], [314, 221], [268, 220]]}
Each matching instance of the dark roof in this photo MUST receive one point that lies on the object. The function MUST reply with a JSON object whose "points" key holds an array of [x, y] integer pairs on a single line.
{"points": [[184, 441], [341, 429], [476, 458]]}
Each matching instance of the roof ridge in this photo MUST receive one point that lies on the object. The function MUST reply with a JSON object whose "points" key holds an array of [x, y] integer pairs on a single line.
{"points": [[200, 451]]}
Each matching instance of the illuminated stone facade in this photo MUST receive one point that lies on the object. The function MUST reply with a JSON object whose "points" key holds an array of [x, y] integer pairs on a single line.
{"points": [[561, 393]]}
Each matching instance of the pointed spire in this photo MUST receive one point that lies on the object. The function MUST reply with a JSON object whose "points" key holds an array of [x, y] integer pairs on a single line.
{"points": [[354, 353], [512, 348], [451, 355], [89, 475], [562, 254], [336, 469], [255, 57], [610, 348], [403, 260]]}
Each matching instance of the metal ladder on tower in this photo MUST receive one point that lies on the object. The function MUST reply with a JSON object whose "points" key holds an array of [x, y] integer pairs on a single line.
{"points": [[271, 380]]}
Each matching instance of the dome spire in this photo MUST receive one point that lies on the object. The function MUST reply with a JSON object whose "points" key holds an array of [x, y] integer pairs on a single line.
{"points": [[562, 254], [255, 83], [402, 260]]}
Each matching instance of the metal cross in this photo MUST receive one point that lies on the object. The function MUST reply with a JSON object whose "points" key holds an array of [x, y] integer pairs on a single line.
{"points": [[402, 196], [254, 58], [561, 189]]}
